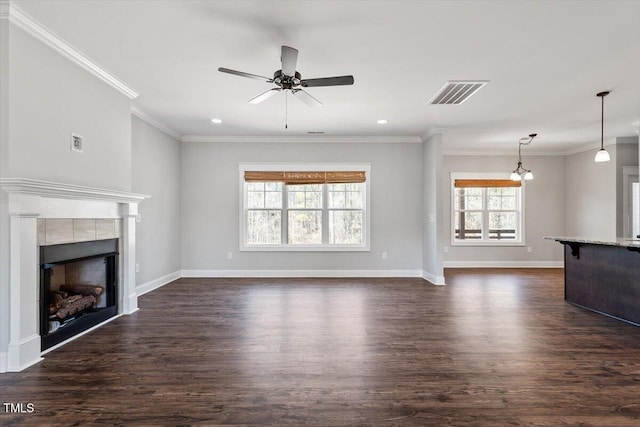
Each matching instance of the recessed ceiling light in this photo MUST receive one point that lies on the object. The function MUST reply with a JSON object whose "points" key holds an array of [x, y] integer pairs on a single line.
{"points": [[216, 121], [382, 122]]}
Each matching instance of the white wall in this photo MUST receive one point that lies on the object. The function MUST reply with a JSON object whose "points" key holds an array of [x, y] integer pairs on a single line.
{"points": [[50, 97], [210, 196], [432, 220], [544, 212], [155, 160]]}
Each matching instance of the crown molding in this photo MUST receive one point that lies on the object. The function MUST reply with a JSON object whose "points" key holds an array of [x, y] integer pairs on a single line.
{"points": [[136, 111], [305, 139], [20, 19], [433, 130]]}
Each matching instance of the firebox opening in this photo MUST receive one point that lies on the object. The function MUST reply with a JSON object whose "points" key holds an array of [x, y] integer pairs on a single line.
{"points": [[78, 288]]}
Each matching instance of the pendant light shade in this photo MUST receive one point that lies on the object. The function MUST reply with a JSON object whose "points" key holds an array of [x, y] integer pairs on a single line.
{"points": [[519, 172], [602, 155]]}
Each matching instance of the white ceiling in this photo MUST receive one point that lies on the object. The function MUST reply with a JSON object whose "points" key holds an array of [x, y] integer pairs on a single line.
{"points": [[545, 60]]}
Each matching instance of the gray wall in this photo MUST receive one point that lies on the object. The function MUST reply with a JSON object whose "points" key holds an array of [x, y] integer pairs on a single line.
{"points": [[590, 189], [155, 159], [210, 195], [50, 97], [626, 155], [433, 237], [43, 98], [544, 211], [4, 166]]}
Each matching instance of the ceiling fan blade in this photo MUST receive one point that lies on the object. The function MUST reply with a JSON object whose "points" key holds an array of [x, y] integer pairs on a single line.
{"points": [[289, 58], [327, 81], [306, 98], [264, 96], [241, 74]]}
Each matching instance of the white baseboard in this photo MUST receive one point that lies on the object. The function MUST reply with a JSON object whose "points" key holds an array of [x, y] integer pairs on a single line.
{"points": [[503, 264], [433, 279], [157, 283], [301, 273], [23, 354]]}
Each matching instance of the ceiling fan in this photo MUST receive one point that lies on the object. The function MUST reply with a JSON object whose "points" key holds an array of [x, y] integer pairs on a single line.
{"points": [[287, 78]]}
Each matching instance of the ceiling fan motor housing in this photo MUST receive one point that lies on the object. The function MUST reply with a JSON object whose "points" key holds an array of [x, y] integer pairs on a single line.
{"points": [[286, 82]]}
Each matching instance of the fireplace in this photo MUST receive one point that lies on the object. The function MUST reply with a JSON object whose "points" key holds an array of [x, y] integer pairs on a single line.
{"points": [[36, 215], [78, 288]]}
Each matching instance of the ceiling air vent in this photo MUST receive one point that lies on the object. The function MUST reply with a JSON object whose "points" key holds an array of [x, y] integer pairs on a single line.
{"points": [[457, 91]]}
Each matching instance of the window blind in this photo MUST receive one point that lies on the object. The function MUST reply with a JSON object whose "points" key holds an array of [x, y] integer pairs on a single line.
{"points": [[485, 183], [306, 177]]}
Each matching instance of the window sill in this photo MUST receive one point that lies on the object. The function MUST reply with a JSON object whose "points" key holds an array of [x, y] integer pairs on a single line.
{"points": [[305, 248], [490, 244]]}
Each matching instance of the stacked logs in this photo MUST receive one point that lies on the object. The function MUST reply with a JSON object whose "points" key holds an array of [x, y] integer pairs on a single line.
{"points": [[71, 299]]}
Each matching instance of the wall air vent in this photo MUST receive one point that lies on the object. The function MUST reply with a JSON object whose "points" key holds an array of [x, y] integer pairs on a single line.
{"points": [[455, 92]]}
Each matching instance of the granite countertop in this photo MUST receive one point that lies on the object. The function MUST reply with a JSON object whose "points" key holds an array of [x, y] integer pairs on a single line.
{"points": [[619, 241]]}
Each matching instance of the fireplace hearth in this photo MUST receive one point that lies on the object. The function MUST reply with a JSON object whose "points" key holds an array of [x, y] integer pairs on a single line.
{"points": [[78, 288]]}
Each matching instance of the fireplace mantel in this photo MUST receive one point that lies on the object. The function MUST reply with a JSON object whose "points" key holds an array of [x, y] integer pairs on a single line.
{"points": [[24, 202]]}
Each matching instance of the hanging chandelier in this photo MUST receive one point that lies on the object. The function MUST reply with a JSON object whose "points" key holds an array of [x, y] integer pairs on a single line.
{"points": [[519, 172]]}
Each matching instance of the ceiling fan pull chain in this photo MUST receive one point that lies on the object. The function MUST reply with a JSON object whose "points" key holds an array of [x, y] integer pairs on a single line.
{"points": [[286, 110]]}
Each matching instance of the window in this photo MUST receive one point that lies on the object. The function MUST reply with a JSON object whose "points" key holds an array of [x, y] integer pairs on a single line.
{"points": [[486, 211], [304, 207]]}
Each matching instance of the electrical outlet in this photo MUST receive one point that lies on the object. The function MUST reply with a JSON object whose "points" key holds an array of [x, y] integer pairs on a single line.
{"points": [[139, 218], [137, 267], [446, 249], [229, 255], [77, 143], [529, 249], [385, 255]]}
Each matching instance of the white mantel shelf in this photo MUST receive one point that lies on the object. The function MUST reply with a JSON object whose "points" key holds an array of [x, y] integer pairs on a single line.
{"points": [[68, 191]]}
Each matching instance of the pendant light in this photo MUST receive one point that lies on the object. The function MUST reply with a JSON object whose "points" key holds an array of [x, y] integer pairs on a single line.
{"points": [[519, 172], [602, 155]]}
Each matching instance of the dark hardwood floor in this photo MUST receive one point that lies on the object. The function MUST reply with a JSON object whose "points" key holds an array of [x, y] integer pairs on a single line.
{"points": [[493, 347]]}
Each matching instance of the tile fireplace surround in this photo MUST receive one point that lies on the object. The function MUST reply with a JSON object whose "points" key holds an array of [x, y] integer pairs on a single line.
{"points": [[34, 213]]}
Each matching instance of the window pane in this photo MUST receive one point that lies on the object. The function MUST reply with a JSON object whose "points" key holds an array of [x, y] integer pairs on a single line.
{"points": [[255, 199], [345, 227], [502, 225], [255, 186], [345, 196], [305, 196], [502, 198], [264, 227], [336, 199], [305, 227], [468, 198], [468, 225], [273, 199]]}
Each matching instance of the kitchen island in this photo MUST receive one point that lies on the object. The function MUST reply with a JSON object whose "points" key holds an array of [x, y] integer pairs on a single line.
{"points": [[603, 276]]}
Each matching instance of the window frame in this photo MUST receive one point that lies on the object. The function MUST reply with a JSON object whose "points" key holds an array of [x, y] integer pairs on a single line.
{"points": [[305, 167], [485, 241]]}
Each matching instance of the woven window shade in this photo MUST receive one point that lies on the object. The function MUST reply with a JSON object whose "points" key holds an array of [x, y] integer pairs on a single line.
{"points": [[485, 183], [251, 176], [308, 177]]}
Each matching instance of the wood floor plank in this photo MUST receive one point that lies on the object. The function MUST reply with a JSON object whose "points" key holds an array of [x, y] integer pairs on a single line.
{"points": [[493, 347]]}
